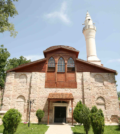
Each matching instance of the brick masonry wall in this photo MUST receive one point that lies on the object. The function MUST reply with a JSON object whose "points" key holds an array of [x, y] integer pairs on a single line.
{"points": [[98, 89]]}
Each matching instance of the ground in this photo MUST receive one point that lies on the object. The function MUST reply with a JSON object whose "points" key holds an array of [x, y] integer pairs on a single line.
{"points": [[108, 130], [41, 129], [33, 129]]}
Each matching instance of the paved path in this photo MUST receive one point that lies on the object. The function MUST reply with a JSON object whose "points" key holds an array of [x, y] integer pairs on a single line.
{"points": [[59, 129]]}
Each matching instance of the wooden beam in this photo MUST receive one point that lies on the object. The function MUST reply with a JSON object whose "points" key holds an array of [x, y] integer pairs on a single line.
{"points": [[55, 73], [65, 70], [72, 110], [48, 110], [59, 99]]}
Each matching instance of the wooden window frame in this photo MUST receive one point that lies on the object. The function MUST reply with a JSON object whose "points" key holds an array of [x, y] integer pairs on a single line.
{"points": [[61, 66], [68, 65], [50, 65]]}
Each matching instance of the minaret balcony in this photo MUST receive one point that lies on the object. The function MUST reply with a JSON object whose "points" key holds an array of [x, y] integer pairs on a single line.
{"points": [[89, 27]]}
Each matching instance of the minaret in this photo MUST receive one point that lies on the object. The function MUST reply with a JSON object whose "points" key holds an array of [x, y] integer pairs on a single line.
{"points": [[89, 32]]}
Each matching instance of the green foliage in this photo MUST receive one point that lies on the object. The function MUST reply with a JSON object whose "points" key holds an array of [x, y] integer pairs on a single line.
{"points": [[119, 122], [0, 117], [12, 63], [85, 115], [4, 54], [11, 120], [94, 109], [33, 129], [6, 64], [7, 9], [118, 93], [76, 113], [108, 130], [40, 115], [97, 120]]}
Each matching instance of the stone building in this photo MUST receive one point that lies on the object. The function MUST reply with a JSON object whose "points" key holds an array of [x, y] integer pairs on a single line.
{"points": [[60, 80]]}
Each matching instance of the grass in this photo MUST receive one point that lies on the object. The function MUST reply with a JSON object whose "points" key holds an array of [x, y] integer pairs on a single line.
{"points": [[108, 130], [33, 129]]}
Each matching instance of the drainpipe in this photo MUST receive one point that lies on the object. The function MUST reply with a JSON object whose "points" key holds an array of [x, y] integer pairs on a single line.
{"points": [[28, 114]]}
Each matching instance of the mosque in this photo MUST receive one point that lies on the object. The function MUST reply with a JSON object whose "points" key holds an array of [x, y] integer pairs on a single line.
{"points": [[58, 81]]}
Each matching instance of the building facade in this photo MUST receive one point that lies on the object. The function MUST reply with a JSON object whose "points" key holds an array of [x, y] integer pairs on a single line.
{"points": [[60, 80]]}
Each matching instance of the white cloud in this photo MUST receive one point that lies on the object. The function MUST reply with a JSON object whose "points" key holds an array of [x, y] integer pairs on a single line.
{"points": [[34, 57], [60, 14], [114, 60]]}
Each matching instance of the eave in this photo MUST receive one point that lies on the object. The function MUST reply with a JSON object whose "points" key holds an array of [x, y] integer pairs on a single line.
{"points": [[27, 64], [98, 66]]}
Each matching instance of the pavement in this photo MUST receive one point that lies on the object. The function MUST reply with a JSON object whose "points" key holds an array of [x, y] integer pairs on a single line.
{"points": [[59, 129]]}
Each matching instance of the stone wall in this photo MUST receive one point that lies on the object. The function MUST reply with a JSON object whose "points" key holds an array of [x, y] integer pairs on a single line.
{"points": [[96, 88], [100, 90]]}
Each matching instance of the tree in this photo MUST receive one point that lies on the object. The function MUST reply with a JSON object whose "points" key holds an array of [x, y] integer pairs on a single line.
{"points": [[97, 120], [40, 115], [6, 64], [118, 95], [11, 120], [12, 63], [119, 123], [7, 9], [76, 113], [85, 115], [4, 54]]}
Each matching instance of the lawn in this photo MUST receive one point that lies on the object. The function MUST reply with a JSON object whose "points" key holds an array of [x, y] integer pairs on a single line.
{"points": [[33, 129], [108, 130]]}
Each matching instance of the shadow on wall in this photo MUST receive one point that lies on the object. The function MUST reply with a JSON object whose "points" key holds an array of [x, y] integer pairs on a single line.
{"points": [[45, 109]]}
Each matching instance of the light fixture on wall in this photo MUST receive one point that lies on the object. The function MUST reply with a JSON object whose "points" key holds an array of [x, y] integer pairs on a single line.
{"points": [[70, 109]]}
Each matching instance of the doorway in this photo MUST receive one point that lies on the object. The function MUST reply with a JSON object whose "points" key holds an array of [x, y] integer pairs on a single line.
{"points": [[60, 114]]}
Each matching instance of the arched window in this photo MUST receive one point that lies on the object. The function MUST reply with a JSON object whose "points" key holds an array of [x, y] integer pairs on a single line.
{"points": [[20, 105], [61, 65], [51, 64], [70, 65], [101, 103]]}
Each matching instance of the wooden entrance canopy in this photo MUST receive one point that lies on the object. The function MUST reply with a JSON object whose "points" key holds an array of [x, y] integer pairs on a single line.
{"points": [[60, 97]]}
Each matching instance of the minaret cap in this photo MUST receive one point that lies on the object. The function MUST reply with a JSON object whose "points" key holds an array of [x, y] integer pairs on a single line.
{"points": [[88, 20]]}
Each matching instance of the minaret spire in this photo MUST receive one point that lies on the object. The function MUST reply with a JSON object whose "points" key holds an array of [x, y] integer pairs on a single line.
{"points": [[89, 32]]}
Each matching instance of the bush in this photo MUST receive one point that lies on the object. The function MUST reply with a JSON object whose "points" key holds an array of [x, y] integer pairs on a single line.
{"points": [[76, 113], [40, 115], [11, 120], [97, 120], [85, 115], [119, 122]]}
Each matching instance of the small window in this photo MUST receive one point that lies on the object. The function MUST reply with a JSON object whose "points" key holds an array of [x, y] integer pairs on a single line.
{"points": [[61, 65], [70, 65], [51, 64]]}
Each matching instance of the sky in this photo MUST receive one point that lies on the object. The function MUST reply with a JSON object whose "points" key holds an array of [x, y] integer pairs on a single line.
{"points": [[44, 23]]}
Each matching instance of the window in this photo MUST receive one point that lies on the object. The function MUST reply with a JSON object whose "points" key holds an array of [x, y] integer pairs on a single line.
{"points": [[70, 65], [61, 65], [51, 64]]}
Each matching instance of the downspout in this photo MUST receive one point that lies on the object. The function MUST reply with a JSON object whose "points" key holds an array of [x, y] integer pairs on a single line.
{"points": [[28, 109]]}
